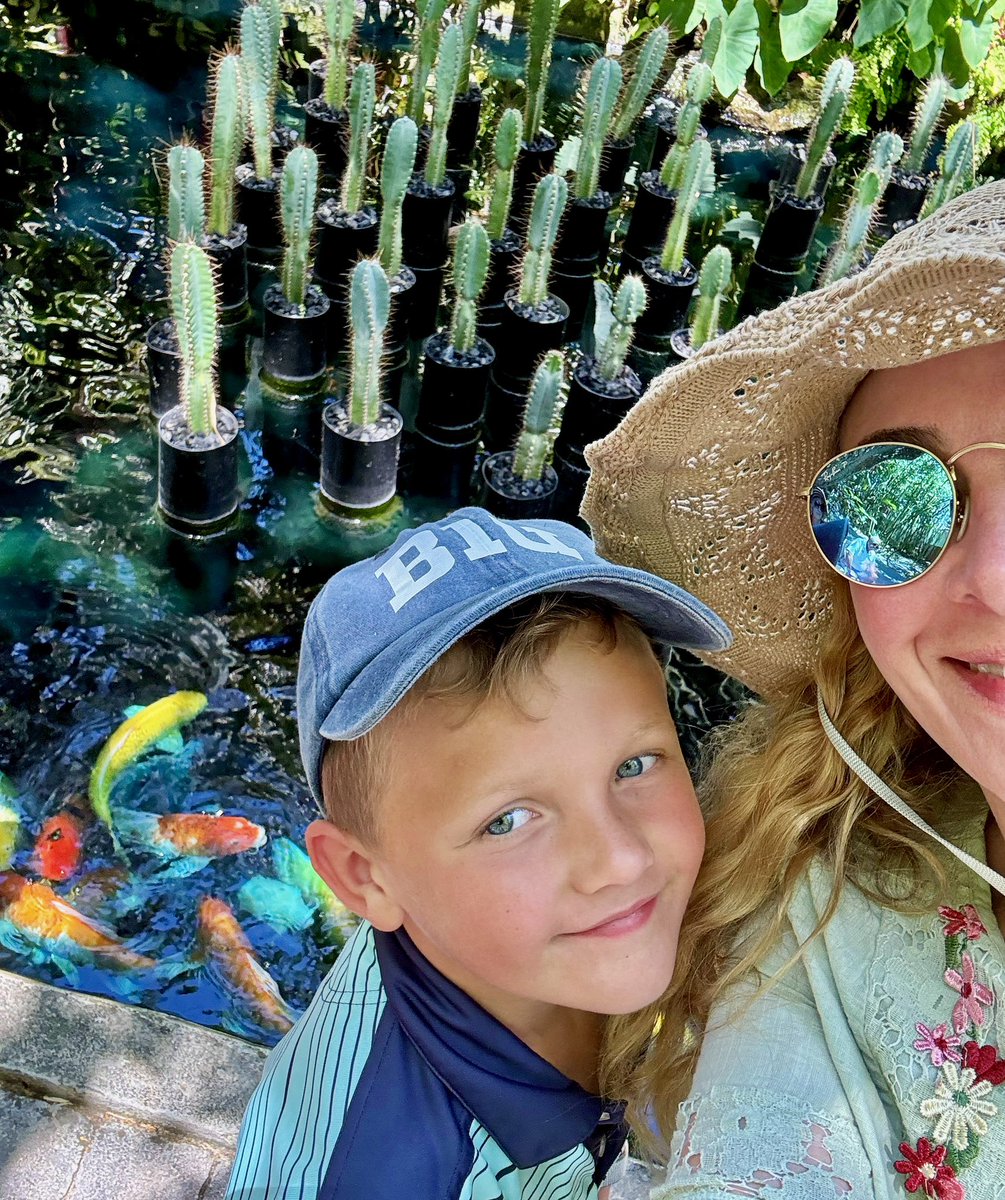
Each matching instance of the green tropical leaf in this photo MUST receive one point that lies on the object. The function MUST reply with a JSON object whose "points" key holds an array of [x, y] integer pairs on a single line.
{"points": [[684, 15], [921, 63], [803, 23], [975, 40], [772, 67], [876, 17], [954, 62], [919, 24], [737, 47]]}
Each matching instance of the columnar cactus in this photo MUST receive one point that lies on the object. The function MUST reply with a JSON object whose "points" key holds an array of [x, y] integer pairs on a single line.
{"points": [[259, 73], [540, 423], [956, 168], [699, 88], [927, 114], [425, 43], [471, 266], [226, 140], [698, 164], [186, 203], [834, 97], [884, 154], [615, 325], [550, 197], [340, 23], [601, 96], [470, 16], [713, 279], [369, 310], [540, 40], [448, 72], [506, 148], [362, 97], [648, 66], [395, 173], [298, 191], [193, 306]]}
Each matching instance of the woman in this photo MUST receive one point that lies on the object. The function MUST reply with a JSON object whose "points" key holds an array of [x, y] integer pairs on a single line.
{"points": [[835, 1026]]}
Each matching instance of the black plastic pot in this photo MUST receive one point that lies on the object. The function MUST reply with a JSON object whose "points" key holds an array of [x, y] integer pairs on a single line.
{"points": [[666, 134], [258, 207], [669, 297], [903, 200], [291, 431], [504, 254], [526, 333], [197, 475], [452, 399], [295, 342], [462, 130], [283, 139], [791, 156], [766, 288], [651, 216], [460, 177], [163, 366], [595, 405], [425, 226], [504, 495], [343, 239], [573, 475], [533, 161], [442, 471], [326, 131], [579, 252], [230, 258], [396, 340], [748, 162], [316, 74], [359, 463], [788, 231], [614, 160], [680, 346]]}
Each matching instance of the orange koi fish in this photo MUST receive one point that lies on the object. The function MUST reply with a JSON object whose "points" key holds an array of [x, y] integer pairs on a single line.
{"points": [[34, 909], [224, 945], [58, 847], [204, 835]]}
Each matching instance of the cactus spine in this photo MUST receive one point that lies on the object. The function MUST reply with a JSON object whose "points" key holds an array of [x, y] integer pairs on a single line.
{"points": [[369, 310], [884, 154], [226, 140], [713, 280], [927, 114], [550, 197], [362, 97], [629, 304], [298, 194], [259, 67], [471, 266], [506, 148], [448, 72], [957, 168], [601, 96], [699, 88], [425, 43], [698, 164], [540, 39], [340, 21], [186, 204], [537, 435], [834, 97], [470, 15], [647, 70], [193, 306], [395, 172]]}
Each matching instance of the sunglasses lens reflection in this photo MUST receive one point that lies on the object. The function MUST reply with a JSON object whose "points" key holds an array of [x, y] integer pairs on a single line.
{"points": [[882, 514]]}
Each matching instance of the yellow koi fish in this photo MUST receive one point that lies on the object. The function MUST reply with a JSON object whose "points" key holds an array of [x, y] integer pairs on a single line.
{"points": [[135, 736]]}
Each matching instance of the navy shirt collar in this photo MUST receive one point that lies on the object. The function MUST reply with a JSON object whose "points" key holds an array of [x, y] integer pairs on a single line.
{"points": [[532, 1110]]}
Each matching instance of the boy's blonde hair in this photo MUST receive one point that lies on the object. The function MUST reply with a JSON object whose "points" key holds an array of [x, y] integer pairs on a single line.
{"points": [[494, 660]]}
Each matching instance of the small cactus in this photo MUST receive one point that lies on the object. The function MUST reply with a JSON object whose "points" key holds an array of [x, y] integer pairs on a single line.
{"points": [[927, 114], [340, 23], [470, 16], [506, 148], [298, 191], [369, 310], [193, 306], [884, 154], [714, 278], [648, 67], [698, 164], [956, 168], [471, 267], [550, 197], [425, 43], [601, 96], [540, 40], [540, 418], [699, 88], [834, 97], [259, 69], [186, 203], [612, 342], [448, 72], [395, 173], [226, 140], [362, 97]]}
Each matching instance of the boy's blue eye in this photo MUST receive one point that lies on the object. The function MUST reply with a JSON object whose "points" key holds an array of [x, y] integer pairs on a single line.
{"points": [[631, 768], [508, 821]]}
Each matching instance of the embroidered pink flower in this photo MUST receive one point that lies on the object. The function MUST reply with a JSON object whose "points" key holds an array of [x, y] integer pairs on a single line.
{"points": [[939, 1043], [927, 1172], [985, 1062], [966, 921], [973, 995]]}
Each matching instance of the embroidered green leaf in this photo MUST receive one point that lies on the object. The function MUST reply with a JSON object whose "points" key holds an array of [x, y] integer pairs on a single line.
{"points": [[954, 951], [960, 1159]]}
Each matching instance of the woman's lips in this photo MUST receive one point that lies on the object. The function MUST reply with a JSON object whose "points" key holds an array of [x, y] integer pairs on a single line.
{"points": [[623, 923], [987, 683]]}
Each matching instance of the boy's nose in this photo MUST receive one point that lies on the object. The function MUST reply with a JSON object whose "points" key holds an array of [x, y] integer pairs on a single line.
{"points": [[610, 851]]}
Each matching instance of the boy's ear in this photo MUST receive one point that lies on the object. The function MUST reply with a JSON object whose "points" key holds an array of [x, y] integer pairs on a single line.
{"points": [[351, 871]]}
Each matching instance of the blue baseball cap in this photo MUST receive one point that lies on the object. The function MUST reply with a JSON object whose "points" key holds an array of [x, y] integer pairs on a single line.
{"points": [[378, 625]]}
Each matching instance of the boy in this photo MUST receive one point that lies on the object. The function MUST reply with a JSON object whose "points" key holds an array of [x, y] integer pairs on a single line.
{"points": [[485, 721]]}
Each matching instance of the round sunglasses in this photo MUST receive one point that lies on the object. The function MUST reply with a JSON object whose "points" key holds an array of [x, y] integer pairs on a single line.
{"points": [[883, 514]]}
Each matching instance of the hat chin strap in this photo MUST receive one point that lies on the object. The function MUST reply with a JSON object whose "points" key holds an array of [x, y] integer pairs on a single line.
{"points": [[873, 781]]}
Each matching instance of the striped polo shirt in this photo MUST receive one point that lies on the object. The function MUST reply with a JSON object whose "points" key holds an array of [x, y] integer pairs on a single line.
{"points": [[395, 1083]]}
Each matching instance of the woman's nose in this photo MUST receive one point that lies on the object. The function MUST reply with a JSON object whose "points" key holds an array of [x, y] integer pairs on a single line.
{"points": [[977, 570]]}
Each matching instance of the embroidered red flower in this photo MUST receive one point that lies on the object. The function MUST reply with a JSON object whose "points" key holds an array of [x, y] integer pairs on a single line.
{"points": [[974, 995], [966, 921], [927, 1172], [985, 1061]]}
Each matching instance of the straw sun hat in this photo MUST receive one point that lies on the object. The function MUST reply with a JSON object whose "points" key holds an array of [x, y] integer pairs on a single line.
{"points": [[703, 482]]}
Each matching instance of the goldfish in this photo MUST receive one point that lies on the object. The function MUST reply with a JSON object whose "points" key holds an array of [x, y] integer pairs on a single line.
{"points": [[294, 867], [191, 838], [36, 912], [280, 904], [10, 826], [143, 728], [224, 945], [58, 847]]}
